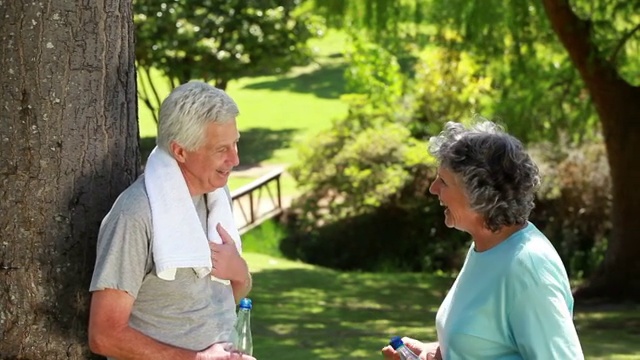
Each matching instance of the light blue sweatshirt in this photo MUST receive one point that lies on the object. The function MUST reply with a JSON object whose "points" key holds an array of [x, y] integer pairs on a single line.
{"points": [[510, 302]]}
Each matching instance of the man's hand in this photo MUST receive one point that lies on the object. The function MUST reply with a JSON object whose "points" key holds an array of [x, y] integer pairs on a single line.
{"points": [[220, 352], [227, 262]]}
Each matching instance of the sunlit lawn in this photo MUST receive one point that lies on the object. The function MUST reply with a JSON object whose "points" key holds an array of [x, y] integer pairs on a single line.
{"points": [[306, 312]]}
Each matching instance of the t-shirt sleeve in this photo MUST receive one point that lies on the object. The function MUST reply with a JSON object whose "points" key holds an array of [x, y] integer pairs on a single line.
{"points": [[122, 253], [542, 325]]}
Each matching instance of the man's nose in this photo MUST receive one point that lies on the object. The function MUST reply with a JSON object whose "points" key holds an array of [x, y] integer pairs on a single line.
{"points": [[234, 156]]}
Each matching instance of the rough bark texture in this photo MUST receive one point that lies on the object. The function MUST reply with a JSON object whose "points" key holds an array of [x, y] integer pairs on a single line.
{"points": [[68, 147], [618, 105]]}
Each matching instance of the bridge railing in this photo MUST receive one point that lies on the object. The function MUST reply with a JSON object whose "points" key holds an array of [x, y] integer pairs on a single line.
{"points": [[257, 201]]}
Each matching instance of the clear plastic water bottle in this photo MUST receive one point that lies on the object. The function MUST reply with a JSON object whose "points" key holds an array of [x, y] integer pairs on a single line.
{"points": [[404, 352], [243, 342]]}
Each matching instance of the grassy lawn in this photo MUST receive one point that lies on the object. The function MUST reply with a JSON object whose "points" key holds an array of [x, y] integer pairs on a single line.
{"points": [[277, 112], [306, 312]]}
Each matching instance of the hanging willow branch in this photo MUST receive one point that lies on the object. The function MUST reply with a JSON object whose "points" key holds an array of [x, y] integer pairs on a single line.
{"points": [[621, 43]]}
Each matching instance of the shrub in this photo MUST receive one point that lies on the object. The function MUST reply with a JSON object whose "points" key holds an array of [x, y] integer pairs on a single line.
{"points": [[573, 207], [389, 238]]}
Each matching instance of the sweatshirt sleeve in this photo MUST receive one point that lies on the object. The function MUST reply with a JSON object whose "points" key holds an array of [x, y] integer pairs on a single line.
{"points": [[542, 325]]}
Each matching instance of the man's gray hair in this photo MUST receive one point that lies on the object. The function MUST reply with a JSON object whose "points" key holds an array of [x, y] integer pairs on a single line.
{"points": [[186, 112]]}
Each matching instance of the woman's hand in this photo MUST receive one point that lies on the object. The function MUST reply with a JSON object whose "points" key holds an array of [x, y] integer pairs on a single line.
{"points": [[426, 351], [432, 352]]}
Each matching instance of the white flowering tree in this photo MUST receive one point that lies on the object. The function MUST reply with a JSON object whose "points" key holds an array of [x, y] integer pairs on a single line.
{"points": [[217, 40]]}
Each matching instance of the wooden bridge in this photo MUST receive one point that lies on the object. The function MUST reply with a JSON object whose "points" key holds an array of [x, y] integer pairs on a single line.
{"points": [[257, 201]]}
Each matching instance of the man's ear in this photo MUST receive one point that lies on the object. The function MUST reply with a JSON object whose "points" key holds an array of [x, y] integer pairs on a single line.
{"points": [[179, 153]]}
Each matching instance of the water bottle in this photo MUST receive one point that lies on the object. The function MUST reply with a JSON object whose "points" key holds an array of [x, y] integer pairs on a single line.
{"points": [[243, 342], [404, 352]]}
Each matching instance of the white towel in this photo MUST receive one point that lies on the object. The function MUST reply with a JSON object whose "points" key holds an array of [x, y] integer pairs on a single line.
{"points": [[179, 241]]}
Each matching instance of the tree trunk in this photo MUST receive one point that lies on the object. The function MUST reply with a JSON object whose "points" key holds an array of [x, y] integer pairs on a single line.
{"points": [[69, 146], [617, 104]]}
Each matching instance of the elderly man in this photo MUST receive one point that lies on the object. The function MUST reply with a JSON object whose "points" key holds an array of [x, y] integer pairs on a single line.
{"points": [[169, 264]]}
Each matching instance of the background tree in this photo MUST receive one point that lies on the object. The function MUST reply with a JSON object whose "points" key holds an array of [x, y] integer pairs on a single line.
{"points": [[602, 41], [68, 139], [599, 44], [217, 40], [539, 92]]}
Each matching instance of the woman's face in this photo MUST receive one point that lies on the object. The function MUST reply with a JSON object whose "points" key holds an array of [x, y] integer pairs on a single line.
{"points": [[458, 214]]}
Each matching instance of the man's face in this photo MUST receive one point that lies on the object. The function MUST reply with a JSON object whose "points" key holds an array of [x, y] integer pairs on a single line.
{"points": [[207, 168]]}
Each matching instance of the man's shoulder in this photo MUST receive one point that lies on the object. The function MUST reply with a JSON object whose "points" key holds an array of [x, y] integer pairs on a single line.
{"points": [[133, 201]]}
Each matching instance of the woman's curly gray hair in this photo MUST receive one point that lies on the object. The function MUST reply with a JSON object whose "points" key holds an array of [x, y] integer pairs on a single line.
{"points": [[500, 178]]}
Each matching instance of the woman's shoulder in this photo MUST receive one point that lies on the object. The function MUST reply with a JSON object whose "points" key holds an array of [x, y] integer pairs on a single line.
{"points": [[536, 261]]}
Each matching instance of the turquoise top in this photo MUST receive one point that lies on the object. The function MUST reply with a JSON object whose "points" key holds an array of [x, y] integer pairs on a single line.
{"points": [[510, 302]]}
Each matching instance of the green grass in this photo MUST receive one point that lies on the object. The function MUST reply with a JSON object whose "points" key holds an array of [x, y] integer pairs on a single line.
{"points": [[265, 239], [307, 312]]}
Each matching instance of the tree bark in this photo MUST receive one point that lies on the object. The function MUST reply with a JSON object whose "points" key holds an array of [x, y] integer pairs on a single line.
{"points": [[69, 146], [618, 105]]}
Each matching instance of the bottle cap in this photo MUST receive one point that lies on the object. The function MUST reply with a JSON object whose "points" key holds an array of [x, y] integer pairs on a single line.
{"points": [[396, 342], [246, 303]]}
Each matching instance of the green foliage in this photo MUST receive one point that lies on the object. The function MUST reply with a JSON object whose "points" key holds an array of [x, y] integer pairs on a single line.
{"points": [[347, 172], [616, 32], [537, 92], [367, 158], [385, 20], [374, 71], [387, 239], [448, 86], [366, 179]]}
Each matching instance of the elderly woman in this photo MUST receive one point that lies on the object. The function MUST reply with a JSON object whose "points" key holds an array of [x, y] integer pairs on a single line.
{"points": [[512, 298]]}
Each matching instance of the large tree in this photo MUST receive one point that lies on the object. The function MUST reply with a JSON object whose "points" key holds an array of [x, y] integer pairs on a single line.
{"points": [[617, 103], [69, 146]]}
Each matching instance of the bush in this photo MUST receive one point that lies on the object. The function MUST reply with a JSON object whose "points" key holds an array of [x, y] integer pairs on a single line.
{"points": [[387, 239], [365, 202], [366, 205], [573, 207]]}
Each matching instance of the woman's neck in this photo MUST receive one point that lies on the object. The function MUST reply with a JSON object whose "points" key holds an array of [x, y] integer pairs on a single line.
{"points": [[486, 239]]}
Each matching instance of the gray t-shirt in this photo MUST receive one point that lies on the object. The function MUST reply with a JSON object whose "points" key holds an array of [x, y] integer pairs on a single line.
{"points": [[188, 312]]}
